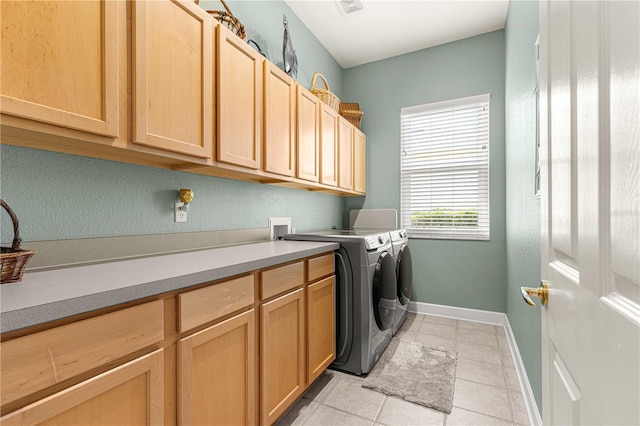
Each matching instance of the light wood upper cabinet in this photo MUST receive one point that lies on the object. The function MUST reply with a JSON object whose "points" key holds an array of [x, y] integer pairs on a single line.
{"points": [[359, 161], [239, 106], [132, 394], [282, 354], [345, 154], [217, 374], [59, 63], [161, 83], [308, 120], [321, 326], [279, 121], [328, 146], [173, 77]]}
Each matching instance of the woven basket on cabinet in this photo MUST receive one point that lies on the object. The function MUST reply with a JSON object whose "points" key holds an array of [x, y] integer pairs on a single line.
{"points": [[14, 259], [325, 95], [351, 111], [226, 17]]}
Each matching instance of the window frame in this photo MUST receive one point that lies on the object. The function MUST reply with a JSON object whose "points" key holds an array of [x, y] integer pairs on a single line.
{"points": [[456, 216]]}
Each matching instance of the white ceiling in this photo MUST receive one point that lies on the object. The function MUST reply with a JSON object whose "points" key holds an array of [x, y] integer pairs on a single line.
{"points": [[387, 28]]}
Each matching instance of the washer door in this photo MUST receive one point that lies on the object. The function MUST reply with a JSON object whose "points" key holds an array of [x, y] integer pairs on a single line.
{"points": [[344, 307], [384, 291], [404, 275]]}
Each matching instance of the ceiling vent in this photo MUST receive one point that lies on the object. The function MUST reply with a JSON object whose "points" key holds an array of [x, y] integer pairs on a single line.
{"points": [[350, 6]]}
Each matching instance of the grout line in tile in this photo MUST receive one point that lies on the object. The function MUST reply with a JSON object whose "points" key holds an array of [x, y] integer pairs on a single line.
{"points": [[313, 410], [375, 419], [513, 408], [481, 414], [485, 384], [347, 412]]}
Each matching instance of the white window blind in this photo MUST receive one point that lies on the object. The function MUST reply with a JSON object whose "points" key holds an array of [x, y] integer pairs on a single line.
{"points": [[445, 169]]}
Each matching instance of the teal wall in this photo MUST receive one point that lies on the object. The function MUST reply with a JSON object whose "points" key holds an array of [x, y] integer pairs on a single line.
{"points": [[470, 274], [523, 207], [59, 196]]}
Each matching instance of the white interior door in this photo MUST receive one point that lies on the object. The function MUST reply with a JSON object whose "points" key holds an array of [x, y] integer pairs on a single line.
{"points": [[590, 138]]}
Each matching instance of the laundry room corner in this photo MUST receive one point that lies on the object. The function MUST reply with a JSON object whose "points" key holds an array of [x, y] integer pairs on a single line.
{"points": [[469, 274]]}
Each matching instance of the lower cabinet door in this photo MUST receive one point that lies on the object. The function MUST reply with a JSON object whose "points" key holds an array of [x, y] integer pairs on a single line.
{"points": [[216, 374], [321, 327], [282, 354], [132, 394]]}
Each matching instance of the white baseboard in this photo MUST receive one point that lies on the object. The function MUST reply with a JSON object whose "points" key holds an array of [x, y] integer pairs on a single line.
{"points": [[525, 385], [495, 318], [488, 317]]}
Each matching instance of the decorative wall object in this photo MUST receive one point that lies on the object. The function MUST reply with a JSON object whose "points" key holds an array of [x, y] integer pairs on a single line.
{"points": [[288, 53]]}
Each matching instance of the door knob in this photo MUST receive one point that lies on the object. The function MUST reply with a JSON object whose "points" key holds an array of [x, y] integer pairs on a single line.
{"points": [[541, 293]]}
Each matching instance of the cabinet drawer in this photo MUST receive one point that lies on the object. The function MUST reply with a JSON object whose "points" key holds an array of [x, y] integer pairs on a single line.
{"points": [[278, 280], [39, 360], [126, 395], [321, 266], [207, 304]]}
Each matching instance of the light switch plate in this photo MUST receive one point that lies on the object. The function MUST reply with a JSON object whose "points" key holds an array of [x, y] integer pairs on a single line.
{"points": [[277, 222]]}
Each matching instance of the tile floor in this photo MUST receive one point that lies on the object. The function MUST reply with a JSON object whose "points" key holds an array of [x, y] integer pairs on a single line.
{"points": [[487, 391]]}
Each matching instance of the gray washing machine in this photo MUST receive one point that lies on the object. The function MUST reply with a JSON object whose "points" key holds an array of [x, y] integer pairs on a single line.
{"points": [[404, 276], [365, 295]]}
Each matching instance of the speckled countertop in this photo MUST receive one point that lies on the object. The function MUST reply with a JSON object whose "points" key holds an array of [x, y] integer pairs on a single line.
{"points": [[50, 295]]}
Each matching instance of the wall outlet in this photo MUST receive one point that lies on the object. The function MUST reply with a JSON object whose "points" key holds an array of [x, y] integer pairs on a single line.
{"points": [[180, 214]]}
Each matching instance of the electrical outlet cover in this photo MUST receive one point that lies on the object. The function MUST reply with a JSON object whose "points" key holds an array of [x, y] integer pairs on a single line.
{"points": [[180, 215], [278, 221]]}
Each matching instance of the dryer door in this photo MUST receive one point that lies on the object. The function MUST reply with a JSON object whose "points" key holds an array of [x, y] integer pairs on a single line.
{"points": [[384, 291], [404, 275]]}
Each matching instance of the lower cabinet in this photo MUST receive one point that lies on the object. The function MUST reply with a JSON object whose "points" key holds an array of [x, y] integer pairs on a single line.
{"points": [[216, 374], [282, 354], [131, 394], [321, 339], [239, 351]]}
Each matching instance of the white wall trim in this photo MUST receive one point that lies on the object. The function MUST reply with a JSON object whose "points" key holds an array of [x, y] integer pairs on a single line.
{"points": [[523, 377], [488, 317], [495, 318]]}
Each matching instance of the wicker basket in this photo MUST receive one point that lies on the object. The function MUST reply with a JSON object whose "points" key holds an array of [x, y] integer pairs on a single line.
{"points": [[226, 17], [325, 95], [351, 111], [13, 258]]}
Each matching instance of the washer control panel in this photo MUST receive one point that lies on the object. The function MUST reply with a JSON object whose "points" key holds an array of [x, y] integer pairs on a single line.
{"points": [[398, 235], [374, 242]]}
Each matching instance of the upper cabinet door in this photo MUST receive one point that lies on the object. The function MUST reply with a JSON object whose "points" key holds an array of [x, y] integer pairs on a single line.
{"points": [[345, 154], [59, 63], [239, 101], [308, 164], [328, 145], [359, 161], [173, 77], [279, 121]]}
